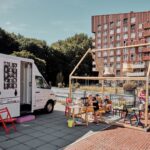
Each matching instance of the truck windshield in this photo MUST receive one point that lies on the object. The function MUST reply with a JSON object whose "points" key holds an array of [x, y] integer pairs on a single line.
{"points": [[41, 83]]}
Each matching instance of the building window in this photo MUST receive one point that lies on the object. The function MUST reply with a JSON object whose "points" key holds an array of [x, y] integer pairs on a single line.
{"points": [[118, 37], [111, 31], [132, 57], [105, 46], [99, 27], [98, 46], [105, 40], [111, 59], [133, 27], [148, 39], [125, 20], [99, 41], [125, 29], [105, 54], [132, 35], [118, 23], [118, 30], [111, 24], [111, 45], [111, 53], [125, 57], [132, 50], [118, 58], [140, 34], [99, 34], [105, 33], [133, 20], [118, 52], [111, 38], [99, 54], [118, 44], [140, 26], [105, 26], [125, 36]]}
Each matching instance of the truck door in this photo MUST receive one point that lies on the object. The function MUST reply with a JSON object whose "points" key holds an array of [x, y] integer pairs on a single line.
{"points": [[10, 85], [42, 92]]}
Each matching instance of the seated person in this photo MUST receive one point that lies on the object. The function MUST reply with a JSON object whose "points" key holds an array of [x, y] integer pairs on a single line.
{"points": [[142, 96], [107, 103], [96, 109], [99, 100]]}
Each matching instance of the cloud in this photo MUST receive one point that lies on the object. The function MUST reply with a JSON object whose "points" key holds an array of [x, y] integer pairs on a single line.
{"points": [[6, 6]]}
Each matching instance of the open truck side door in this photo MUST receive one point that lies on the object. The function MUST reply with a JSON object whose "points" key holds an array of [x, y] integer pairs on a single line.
{"points": [[10, 85]]}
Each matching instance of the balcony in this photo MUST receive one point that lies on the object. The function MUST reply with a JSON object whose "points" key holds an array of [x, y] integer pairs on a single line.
{"points": [[146, 58], [146, 49], [146, 26], [146, 34], [136, 66], [136, 74]]}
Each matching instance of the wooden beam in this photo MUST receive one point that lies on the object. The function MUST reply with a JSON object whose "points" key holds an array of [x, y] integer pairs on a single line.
{"points": [[75, 68], [109, 78], [122, 47]]}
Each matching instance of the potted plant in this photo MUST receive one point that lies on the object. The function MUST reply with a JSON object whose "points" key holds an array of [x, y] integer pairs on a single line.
{"points": [[129, 88]]}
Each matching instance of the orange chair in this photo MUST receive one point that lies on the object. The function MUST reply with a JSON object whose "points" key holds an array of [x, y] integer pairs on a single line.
{"points": [[5, 118], [68, 101]]}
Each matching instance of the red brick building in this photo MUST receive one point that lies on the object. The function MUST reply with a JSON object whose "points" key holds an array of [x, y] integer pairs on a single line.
{"points": [[115, 30]]}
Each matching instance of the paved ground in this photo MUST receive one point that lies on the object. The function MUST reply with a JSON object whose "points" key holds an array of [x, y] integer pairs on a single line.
{"points": [[46, 132], [114, 138]]}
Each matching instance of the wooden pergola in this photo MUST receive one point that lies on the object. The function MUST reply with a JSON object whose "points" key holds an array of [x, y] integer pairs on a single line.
{"points": [[145, 78]]}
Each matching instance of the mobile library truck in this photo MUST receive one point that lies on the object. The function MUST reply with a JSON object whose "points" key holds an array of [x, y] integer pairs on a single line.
{"points": [[22, 87]]}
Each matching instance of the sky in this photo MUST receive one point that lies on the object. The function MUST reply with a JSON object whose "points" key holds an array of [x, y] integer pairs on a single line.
{"points": [[53, 20]]}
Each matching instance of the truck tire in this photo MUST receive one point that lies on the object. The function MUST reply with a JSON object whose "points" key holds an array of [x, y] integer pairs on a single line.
{"points": [[49, 107]]}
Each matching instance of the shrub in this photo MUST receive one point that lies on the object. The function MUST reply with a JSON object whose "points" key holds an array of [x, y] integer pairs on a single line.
{"points": [[129, 86]]}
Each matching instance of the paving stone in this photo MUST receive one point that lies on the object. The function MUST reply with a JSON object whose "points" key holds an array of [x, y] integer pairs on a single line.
{"points": [[59, 142], [8, 143], [47, 147], [3, 138], [59, 134], [19, 147], [48, 138], [13, 135], [23, 138], [34, 143], [37, 134], [27, 131]]}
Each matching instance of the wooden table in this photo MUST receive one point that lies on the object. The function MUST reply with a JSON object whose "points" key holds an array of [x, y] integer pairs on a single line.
{"points": [[78, 111]]}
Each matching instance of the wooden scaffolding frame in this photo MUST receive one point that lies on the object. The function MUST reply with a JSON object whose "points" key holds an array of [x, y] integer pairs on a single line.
{"points": [[146, 79]]}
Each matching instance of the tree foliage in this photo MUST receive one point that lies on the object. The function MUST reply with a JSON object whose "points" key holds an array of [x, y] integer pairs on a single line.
{"points": [[61, 56]]}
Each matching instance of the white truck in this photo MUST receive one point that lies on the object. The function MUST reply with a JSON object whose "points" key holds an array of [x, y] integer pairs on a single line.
{"points": [[22, 87]]}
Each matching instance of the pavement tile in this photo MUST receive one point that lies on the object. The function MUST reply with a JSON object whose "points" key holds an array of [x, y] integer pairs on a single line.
{"points": [[3, 138], [19, 147], [37, 134], [23, 138], [59, 142], [8, 143], [47, 147], [48, 138], [13, 135], [34, 143]]}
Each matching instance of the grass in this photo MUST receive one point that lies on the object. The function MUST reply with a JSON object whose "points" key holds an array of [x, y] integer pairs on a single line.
{"points": [[110, 90]]}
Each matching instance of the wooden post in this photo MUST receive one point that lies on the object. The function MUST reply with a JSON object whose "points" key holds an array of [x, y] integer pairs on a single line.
{"points": [[146, 103], [70, 76], [70, 87], [147, 96]]}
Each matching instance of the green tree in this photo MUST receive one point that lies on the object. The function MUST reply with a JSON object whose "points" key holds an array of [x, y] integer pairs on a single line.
{"points": [[39, 62]]}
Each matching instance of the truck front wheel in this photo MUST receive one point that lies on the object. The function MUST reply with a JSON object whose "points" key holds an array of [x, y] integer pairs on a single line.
{"points": [[49, 107]]}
